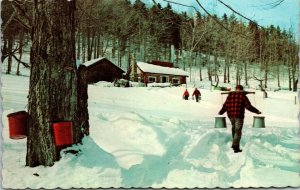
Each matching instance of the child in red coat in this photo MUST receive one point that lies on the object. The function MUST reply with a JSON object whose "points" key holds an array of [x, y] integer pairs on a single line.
{"points": [[186, 94]]}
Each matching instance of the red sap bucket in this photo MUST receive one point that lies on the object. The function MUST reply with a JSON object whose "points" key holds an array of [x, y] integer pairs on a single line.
{"points": [[17, 123], [63, 133]]}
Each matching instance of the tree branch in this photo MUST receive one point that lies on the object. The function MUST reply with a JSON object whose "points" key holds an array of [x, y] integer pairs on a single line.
{"points": [[23, 63], [19, 9], [272, 5], [229, 7], [218, 22], [9, 20]]}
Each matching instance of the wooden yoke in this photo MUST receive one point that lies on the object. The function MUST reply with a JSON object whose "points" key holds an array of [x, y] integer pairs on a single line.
{"points": [[246, 92]]}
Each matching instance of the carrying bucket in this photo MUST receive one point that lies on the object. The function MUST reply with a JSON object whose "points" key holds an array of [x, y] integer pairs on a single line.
{"points": [[220, 122], [63, 133], [258, 122], [17, 123]]}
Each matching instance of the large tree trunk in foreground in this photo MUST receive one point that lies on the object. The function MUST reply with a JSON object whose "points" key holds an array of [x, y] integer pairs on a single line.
{"points": [[53, 79]]}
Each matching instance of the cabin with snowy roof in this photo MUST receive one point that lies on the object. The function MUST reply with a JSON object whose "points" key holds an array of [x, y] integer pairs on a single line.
{"points": [[101, 69], [157, 72]]}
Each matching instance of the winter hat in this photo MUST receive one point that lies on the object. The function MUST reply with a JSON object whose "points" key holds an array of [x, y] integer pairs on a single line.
{"points": [[239, 87]]}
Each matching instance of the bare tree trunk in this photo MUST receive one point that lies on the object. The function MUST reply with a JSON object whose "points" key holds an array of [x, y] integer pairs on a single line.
{"points": [[228, 73], [200, 73], [119, 53], [237, 80], [246, 72], [145, 49], [113, 50], [165, 51], [10, 52], [294, 71], [4, 50], [225, 69], [92, 45], [278, 75], [95, 46], [200, 66], [90, 41], [78, 45], [99, 46], [266, 74], [21, 41], [208, 68], [83, 37], [236, 76], [208, 65], [53, 80], [82, 92], [216, 65], [289, 76]]}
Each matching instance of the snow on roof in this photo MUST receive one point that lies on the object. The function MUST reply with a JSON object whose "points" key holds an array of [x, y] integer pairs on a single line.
{"points": [[88, 63], [91, 62], [150, 68]]}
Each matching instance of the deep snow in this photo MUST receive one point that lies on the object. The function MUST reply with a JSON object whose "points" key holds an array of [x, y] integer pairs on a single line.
{"points": [[151, 137]]}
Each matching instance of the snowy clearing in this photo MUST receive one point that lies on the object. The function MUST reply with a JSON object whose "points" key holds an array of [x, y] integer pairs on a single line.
{"points": [[151, 137]]}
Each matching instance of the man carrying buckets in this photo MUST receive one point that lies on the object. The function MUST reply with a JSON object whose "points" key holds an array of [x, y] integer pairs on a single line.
{"points": [[235, 105]]}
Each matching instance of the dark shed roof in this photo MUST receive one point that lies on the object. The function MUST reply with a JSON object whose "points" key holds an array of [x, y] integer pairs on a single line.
{"points": [[101, 69], [162, 63]]}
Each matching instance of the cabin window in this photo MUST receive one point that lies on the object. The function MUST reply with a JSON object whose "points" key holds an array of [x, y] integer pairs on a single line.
{"points": [[152, 79], [164, 79], [175, 81]]}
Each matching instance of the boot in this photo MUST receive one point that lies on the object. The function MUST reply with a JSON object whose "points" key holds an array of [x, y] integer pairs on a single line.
{"points": [[236, 149]]}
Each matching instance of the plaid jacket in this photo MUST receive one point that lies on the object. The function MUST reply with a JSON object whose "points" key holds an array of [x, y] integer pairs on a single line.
{"points": [[235, 105]]}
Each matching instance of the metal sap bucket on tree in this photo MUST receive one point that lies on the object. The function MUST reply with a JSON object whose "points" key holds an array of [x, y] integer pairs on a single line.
{"points": [[63, 133], [17, 123]]}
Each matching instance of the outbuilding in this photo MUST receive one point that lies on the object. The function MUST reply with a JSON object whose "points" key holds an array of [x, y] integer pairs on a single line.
{"points": [[156, 72], [101, 69]]}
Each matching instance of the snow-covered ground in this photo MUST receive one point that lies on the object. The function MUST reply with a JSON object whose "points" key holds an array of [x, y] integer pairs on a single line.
{"points": [[151, 137]]}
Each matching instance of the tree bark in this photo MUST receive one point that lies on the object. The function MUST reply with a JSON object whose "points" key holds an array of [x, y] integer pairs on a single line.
{"points": [[82, 89], [228, 73], [225, 69], [4, 50], [53, 79], [21, 41], [266, 74], [78, 45], [289, 77], [99, 46], [95, 46], [89, 44], [246, 71], [83, 38], [216, 64], [10, 52]]}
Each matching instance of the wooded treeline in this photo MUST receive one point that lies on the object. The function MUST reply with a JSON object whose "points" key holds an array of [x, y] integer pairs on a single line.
{"points": [[119, 29]]}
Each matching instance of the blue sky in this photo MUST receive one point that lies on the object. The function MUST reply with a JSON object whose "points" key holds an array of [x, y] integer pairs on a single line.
{"points": [[286, 15]]}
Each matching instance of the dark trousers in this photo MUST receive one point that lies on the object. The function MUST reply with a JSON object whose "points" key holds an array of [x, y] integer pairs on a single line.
{"points": [[197, 98], [186, 97], [237, 126]]}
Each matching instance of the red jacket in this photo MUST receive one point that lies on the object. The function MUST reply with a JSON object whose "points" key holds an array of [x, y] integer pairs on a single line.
{"points": [[186, 93], [235, 105], [196, 92]]}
